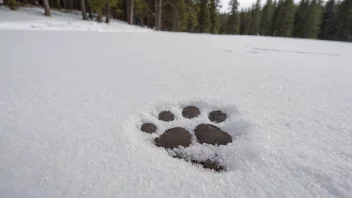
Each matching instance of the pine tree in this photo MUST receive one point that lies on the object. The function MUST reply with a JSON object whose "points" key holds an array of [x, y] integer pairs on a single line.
{"points": [[233, 22], [12, 4], [313, 20], [255, 25], [286, 18], [308, 19], [343, 21], [182, 11], [248, 22], [168, 13], [213, 15], [275, 18], [203, 18], [242, 21], [266, 16], [223, 18], [191, 16], [326, 27], [98, 6], [301, 14], [141, 10]]}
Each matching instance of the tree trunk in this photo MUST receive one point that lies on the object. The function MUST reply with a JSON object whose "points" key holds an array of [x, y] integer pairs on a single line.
{"points": [[159, 15], [158, 7], [107, 12], [46, 8], [100, 16], [90, 9], [175, 21], [148, 14], [148, 20], [58, 2], [65, 5], [156, 15], [130, 8], [83, 8], [70, 4]]}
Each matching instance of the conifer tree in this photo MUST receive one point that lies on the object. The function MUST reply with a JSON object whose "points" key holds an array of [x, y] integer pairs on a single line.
{"points": [[233, 22], [248, 22], [182, 11], [223, 18], [12, 4], [141, 10], [313, 20], [203, 18], [301, 14], [308, 19], [255, 23], [213, 4], [286, 18], [343, 21], [193, 17], [275, 18], [326, 28], [266, 18], [189, 16], [98, 6], [242, 21], [245, 21]]}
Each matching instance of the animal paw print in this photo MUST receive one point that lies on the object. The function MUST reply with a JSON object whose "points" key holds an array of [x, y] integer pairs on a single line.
{"points": [[178, 141]]}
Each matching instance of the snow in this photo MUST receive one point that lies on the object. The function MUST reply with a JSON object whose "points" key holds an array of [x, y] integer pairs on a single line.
{"points": [[32, 19], [72, 103]]}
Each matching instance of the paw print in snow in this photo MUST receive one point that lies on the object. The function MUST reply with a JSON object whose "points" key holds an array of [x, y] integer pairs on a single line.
{"points": [[193, 134]]}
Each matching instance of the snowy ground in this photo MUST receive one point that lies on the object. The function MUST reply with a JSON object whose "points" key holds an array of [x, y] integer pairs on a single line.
{"points": [[71, 104], [33, 19]]}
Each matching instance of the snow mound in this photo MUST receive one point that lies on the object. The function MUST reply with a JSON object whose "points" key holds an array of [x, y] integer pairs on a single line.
{"points": [[235, 125], [33, 19]]}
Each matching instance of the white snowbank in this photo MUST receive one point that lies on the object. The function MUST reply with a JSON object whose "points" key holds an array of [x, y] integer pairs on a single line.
{"points": [[34, 19], [72, 103]]}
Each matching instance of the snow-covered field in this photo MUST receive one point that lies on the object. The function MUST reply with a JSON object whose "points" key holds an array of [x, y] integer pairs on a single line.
{"points": [[72, 102], [33, 19]]}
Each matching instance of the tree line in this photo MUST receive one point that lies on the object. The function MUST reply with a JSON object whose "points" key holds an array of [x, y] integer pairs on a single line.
{"points": [[308, 19]]}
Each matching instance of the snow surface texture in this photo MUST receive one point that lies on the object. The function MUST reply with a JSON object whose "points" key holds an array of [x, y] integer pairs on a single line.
{"points": [[71, 104], [33, 19], [234, 125]]}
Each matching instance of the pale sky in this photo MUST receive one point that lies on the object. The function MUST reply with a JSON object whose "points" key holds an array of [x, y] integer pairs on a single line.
{"points": [[243, 4]]}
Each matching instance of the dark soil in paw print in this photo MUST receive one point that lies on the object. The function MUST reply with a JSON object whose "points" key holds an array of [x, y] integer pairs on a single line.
{"points": [[148, 128], [210, 134], [190, 112], [176, 140], [207, 164], [173, 138], [212, 165], [166, 116], [217, 116]]}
